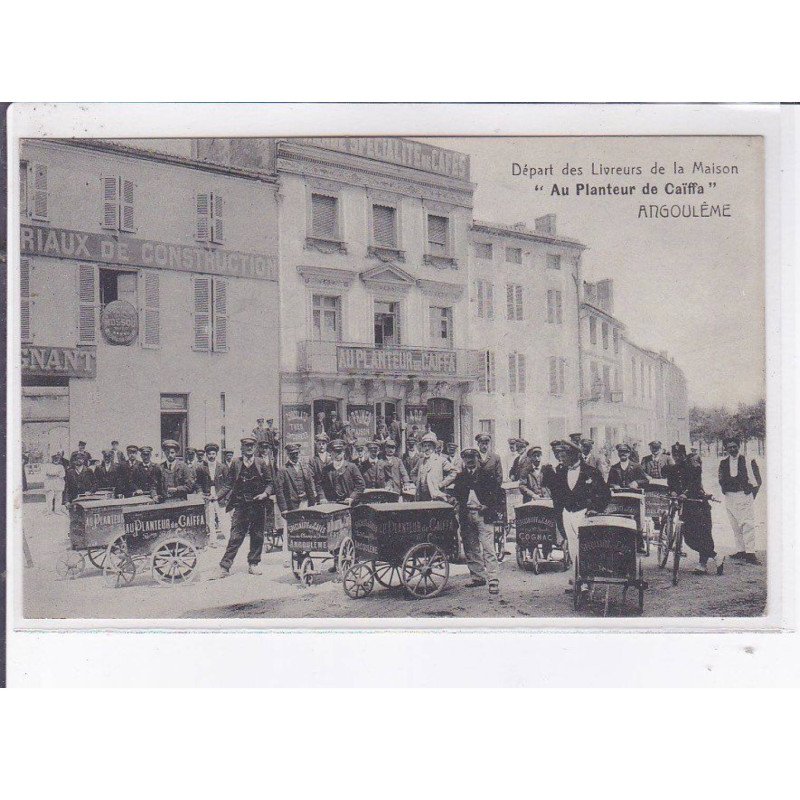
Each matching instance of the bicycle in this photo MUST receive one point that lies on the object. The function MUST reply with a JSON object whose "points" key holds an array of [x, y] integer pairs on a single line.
{"points": [[671, 539]]}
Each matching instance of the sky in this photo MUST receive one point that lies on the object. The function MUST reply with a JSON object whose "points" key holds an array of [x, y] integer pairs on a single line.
{"points": [[693, 287]]}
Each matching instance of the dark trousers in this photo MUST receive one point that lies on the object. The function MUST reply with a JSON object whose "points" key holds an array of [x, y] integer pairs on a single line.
{"points": [[697, 529], [247, 520]]}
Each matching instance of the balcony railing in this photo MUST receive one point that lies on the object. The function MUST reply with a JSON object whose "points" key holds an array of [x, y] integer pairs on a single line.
{"points": [[359, 358], [603, 396]]}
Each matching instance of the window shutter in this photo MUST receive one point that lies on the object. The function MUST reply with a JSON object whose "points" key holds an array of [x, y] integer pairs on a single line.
{"points": [[25, 294], [489, 301], [437, 230], [510, 300], [203, 230], [483, 373], [518, 299], [111, 202], [512, 372], [434, 324], [550, 306], [558, 307], [201, 286], [126, 206], [520, 372], [152, 311], [561, 364], [323, 216], [492, 383], [87, 304], [553, 376], [220, 327], [479, 292], [39, 191], [217, 227], [383, 225]]}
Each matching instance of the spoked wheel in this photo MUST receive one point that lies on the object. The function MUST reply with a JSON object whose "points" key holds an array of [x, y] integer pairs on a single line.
{"points": [[347, 555], [676, 559], [666, 542], [273, 541], [174, 562], [97, 555], [640, 576], [535, 561], [358, 581], [425, 570], [70, 564], [520, 557], [119, 569], [567, 555], [307, 571], [387, 575], [297, 563], [500, 536]]}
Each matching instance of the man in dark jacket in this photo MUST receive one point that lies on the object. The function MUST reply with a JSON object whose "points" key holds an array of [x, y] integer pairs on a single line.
{"points": [[107, 472], [320, 459], [373, 468], [294, 487], [625, 474], [176, 480], [520, 460], [251, 481], [479, 494], [535, 478], [147, 476], [396, 475], [342, 481], [489, 461], [126, 484], [212, 480], [78, 479]]}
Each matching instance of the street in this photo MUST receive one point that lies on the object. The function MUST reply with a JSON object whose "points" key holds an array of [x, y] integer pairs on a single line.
{"points": [[740, 591]]}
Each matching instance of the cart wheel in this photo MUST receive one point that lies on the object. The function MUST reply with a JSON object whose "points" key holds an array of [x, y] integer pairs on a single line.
{"points": [[567, 556], [70, 564], [500, 541], [667, 542], [347, 555], [641, 589], [520, 557], [119, 570], [174, 562], [425, 570], [676, 559], [358, 581], [576, 592], [307, 571], [97, 555], [535, 561], [387, 575]]}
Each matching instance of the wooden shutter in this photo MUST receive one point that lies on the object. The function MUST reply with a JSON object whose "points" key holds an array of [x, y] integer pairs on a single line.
{"points": [[151, 337], [553, 376], [383, 225], [491, 381], [220, 326], [201, 289], [518, 300], [512, 372], [87, 304], [39, 210], [561, 367], [323, 216], [437, 232], [479, 291], [126, 206], [203, 226], [510, 300], [111, 202], [25, 294], [521, 372], [489, 301], [217, 226], [559, 319]]}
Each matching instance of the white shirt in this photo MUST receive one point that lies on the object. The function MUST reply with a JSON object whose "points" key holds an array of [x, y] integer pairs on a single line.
{"points": [[572, 475], [733, 466], [248, 463], [212, 469]]}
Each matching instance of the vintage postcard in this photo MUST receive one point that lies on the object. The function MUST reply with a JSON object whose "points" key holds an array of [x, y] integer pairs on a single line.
{"points": [[283, 379]]}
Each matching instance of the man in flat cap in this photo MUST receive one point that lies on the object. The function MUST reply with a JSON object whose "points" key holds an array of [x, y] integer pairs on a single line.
{"points": [[294, 487], [396, 474], [480, 498], [411, 458], [576, 438], [107, 472], [656, 464], [147, 475], [251, 482], [535, 478], [373, 468], [212, 481], [320, 459], [489, 460], [521, 448], [190, 462], [342, 481], [624, 474], [126, 485], [740, 492], [78, 479], [176, 480], [593, 458]]}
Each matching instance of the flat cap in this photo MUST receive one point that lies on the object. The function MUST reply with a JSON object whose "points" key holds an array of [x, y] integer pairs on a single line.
{"points": [[292, 447], [247, 440], [623, 448], [483, 437], [132, 448], [654, 443], [146, 448], [337, 445], [211, 446], [170, 443], [469, 451]]}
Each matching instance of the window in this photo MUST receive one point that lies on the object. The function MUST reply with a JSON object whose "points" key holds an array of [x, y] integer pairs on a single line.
{"points": [[516, 373], [554, 306], [38, 208], [557, 366], [326, 315], [117, 285], [605, 336], [437, 234], [486, 382], [26, 302], [514, 301], [514, 255], [594, 382], [384, 225], [484, 292], [615, 336], [486, 426], [210, 314], [387, 323], [209, 218], [441, 321], [325, 216], [633, 378], [617, 380], [592, 330], [553, 261], [118, 203], [483, 250], [606, 382]]}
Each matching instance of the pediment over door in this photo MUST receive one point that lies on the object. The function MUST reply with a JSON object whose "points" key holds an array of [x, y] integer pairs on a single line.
{"points": [[388, 277]]}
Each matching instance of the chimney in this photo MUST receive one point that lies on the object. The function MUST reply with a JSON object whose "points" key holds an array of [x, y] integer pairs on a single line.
{"points": [[546, 225], [605, 295], [589, 292]]}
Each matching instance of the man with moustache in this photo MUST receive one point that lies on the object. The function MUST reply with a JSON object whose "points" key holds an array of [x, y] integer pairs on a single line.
{"points": [[176, 479], [624, 474], [535, 478], [396, 475], [147, 475], [320, 459], [373, 468], [212, 480], [342, 481], [740, 492]]}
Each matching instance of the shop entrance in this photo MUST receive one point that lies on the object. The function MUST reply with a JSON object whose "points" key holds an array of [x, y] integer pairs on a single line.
{"points": [[384, 411], [324, 411], [441, 418], [175, 419]]}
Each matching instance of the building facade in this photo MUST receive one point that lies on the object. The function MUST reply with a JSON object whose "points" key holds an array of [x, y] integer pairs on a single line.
{"points": [[524, 320], [149, 298]]}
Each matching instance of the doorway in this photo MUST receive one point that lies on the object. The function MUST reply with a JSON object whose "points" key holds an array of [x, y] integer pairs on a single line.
{"points": [[323, 416], [441, 418], [383, 412], [175, 419]]}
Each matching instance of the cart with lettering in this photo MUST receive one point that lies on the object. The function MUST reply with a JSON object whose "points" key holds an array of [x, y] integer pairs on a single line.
{"points": [[166, 537], [657, 510], [402, 544], [505, 522], [378, 496], [318, 534], [630, 503], [95, 520], [608, 556], [538, 540]]}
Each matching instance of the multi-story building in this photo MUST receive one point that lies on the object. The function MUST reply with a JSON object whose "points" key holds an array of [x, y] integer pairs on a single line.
{"points": [[524, 318], [149, 297]]}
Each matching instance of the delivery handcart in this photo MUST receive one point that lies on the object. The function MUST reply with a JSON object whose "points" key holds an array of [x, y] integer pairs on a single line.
{"points": [[504, 524], [168, 536], [402, 544], [538, 538], [608, 555], [630, 503], [317, 534]]}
